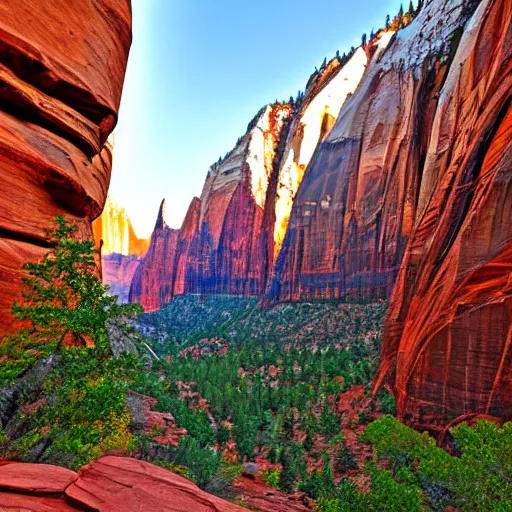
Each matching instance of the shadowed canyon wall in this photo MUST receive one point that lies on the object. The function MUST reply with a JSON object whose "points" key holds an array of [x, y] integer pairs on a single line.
{"points": [[153, 279], [62, 66], [221, 247], [449, 330]]}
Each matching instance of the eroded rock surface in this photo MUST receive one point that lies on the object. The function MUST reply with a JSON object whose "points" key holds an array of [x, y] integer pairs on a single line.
{"points": [[356, 206], [62, 68], [152, 283], [109, 484], [449, 331]]}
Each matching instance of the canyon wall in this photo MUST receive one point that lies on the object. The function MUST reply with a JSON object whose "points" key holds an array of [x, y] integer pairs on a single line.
{"points": [[221, 247], [113, 230], [388, 179], [121, 250], [448, 334], [153, 279], [231, 234], [356, 206], [62, 66]]}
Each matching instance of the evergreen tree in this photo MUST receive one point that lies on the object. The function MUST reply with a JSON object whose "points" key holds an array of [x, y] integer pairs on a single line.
{"points": [[411, 11], [388, 22], [64, 297], [287, 475], [327, 476], [363, 40]]}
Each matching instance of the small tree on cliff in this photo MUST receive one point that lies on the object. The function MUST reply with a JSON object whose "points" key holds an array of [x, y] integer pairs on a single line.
{"points": [[65, 301]]}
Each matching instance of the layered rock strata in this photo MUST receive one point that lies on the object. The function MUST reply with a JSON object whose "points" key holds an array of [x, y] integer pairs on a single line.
{"points": [[448, 334], [356, 206], [62, 66]]}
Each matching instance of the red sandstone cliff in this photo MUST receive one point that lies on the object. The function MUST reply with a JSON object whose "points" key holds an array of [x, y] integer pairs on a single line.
{"points": [[449, 330], [62, 68], [153, 279], [221, 247], [355, 208]]}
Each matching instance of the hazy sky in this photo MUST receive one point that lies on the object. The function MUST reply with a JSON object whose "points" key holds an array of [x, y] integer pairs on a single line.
{"points": [[198, 72]]}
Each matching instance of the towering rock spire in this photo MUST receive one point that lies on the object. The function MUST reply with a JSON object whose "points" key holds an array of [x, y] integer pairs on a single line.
{"points": [[160, 219]]}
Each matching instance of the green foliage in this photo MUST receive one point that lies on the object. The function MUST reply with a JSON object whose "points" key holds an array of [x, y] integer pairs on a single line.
{"points": [[87, 415], [271, 477], [477, 480], [203, 463], [385, 495], [84, 411], [64, 296]]}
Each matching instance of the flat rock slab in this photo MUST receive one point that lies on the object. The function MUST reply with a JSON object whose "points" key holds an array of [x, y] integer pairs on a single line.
{"points": [[35, 478], [111, 483], [19, 502]]}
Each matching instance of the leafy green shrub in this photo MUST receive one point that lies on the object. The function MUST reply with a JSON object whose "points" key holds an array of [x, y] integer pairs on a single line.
{"points": [[202, 463], [271, 477], [477, 480]]}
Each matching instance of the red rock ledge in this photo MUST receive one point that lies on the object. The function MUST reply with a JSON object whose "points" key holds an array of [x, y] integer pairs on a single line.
{"points": [[110, 484]]}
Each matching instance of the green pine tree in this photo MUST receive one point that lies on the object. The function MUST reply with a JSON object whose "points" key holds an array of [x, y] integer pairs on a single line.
{"points": [[287, 475], [64, 297]]}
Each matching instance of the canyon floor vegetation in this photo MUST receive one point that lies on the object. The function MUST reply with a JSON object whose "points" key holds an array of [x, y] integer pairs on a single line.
{"points": [[281, 391]]}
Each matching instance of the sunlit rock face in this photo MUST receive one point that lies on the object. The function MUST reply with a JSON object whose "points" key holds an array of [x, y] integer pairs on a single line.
{"points": [[322, 103], [448, 335], [356, 205], [152, 283], [121, 250], [113, 230], [62, 66], [223, 245]]}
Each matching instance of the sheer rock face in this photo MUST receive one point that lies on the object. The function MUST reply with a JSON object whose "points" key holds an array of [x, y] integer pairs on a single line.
{"points": [[187, 247], [113, 231], [221, 246], [109, 484], [152, 282], [117, 272], [323, 100], [62, 68], [449, 331], [355, 208], [230, 256]]}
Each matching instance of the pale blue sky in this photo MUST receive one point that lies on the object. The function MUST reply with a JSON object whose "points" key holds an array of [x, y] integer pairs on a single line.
{"points": [[198, 72]]}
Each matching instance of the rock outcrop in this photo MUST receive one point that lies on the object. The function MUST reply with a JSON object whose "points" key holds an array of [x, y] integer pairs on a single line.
{"points": [[449, 331], [62, 68], [109, 484], [152, 283]]}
